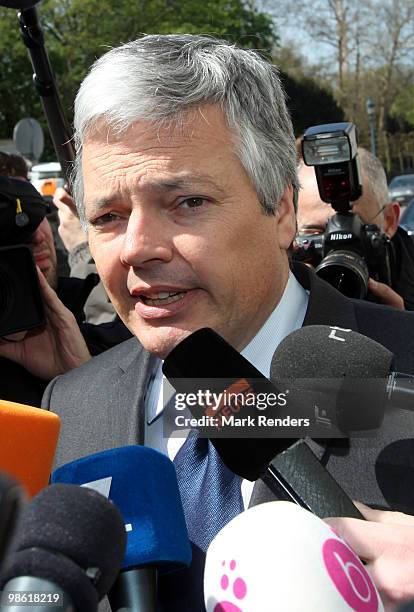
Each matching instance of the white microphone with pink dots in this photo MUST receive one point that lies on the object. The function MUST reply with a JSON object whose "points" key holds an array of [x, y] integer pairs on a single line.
{"points": [[279, 556]]}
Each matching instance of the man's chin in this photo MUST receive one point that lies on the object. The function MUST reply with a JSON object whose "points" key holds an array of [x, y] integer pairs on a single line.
{"points": [[160, 342]]}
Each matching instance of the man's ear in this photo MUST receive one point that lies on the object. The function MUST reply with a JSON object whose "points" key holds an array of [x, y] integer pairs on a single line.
{"points": [[392, 212], [286, 218]]}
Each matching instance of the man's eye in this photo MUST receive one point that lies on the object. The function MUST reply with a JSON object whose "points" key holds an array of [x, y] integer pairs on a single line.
{"points": [[192, 203], [104, 219]]}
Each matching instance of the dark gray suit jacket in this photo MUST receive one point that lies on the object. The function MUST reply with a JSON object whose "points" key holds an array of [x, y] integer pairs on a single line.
{"points": [[101, 405]]}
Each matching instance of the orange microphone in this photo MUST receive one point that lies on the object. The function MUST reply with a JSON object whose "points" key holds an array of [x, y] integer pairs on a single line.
{"points": [[28, 439]]}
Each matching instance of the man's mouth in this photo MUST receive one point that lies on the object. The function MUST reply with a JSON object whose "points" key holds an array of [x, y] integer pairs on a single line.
{"points": [[163, 298], [41, 256]]}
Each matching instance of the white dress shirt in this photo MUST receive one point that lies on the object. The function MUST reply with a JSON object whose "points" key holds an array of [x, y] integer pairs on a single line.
{"points": [[285, 318]]}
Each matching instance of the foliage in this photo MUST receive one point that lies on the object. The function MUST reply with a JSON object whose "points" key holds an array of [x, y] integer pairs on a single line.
{"points": [[363, 50], [310, 104], [79, 31]]}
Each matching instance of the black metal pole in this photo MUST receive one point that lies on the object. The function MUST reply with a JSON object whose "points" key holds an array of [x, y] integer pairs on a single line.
{"points": [[43, 78]]}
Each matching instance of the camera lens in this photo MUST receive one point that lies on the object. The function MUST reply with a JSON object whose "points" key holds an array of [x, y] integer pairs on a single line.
{"points": [[346, 271]]}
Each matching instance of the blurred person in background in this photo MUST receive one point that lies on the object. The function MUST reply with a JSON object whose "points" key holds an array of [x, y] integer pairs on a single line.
{"points": [[98, 308], [374, 206], [64, 300]]}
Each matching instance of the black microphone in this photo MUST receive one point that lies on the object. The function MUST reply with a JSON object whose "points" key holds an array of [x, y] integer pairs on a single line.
{"points": [[68, 551], [20, 5], [352, 372], [11, 500], [205, 360]]}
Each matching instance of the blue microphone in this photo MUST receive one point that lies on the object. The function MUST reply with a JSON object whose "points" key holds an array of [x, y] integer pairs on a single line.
{"points": [[142, 483]]}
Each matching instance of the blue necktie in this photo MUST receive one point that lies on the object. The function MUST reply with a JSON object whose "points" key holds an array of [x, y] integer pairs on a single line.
{"points": [[210, 492]]}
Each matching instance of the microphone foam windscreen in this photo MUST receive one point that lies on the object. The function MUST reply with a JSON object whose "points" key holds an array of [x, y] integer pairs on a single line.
{"points": [[59, 570], [28, 438], [317, 351], [143, 484], [77, 523], [339, 370]]}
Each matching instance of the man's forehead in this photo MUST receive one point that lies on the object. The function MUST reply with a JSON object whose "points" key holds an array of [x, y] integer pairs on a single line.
{"points": [[312, 211], [160, 161], [187, 125], [174, 183]]}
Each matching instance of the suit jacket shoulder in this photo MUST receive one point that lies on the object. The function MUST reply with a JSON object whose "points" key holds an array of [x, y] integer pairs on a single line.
{"points": [[101, 403], [391, 328]]}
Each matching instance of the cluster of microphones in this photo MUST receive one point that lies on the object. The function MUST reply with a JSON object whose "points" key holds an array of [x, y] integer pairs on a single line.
{"points": [[112, 524]]}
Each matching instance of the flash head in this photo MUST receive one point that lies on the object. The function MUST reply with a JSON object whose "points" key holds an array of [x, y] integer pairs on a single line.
{"points": [[331, 143], [333, 150]]}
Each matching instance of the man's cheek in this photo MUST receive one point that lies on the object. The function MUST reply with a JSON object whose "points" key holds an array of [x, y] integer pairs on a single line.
{"points": [[111, 272]]}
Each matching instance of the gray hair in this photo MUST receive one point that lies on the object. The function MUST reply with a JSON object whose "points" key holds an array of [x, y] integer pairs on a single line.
{"points": [[375, 177], [162, 77]]}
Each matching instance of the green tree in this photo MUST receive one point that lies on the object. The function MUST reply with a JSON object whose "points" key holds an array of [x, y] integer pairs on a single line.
{"points": [[365, 51], [402, 109], [18, 97], [79, 31], [310, 104], [310, 101]]}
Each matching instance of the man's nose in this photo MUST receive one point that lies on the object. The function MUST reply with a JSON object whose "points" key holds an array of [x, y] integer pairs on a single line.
{"points": [[147, 240]]}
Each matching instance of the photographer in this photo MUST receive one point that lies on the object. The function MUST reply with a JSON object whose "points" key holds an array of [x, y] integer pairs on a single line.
{"points": [[63, 303], [97, 308], [373, 206]]}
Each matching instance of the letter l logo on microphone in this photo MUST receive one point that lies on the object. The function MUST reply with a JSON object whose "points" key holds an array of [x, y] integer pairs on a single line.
{"points": [[333, 334], [103, 486]]}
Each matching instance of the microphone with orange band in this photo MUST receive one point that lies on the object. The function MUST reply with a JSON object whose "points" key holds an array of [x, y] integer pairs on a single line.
{"points": [[28, 439]]}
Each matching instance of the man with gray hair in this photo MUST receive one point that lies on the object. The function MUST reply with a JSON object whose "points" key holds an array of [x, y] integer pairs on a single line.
{"points": [[374, 206], [185, 181]]}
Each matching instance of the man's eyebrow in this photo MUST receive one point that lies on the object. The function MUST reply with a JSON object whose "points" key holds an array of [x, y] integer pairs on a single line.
{"points": [[99, 203], [193, 182], [184, 182]]}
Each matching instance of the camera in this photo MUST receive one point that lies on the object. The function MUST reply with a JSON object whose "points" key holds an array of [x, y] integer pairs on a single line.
{"points": [[349, 251], [22, 209]]}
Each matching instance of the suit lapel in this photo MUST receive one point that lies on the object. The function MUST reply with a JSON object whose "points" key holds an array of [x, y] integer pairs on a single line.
{"points": [[136, 370]]}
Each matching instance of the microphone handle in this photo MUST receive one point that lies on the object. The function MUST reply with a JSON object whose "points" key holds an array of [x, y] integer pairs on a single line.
{"points": [[135, 590], [281, 487], [34, 594], [308, 483], [400, 391]]}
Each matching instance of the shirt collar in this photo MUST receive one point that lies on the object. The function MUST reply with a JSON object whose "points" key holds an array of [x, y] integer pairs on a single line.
{"points": [[288, 316]]}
